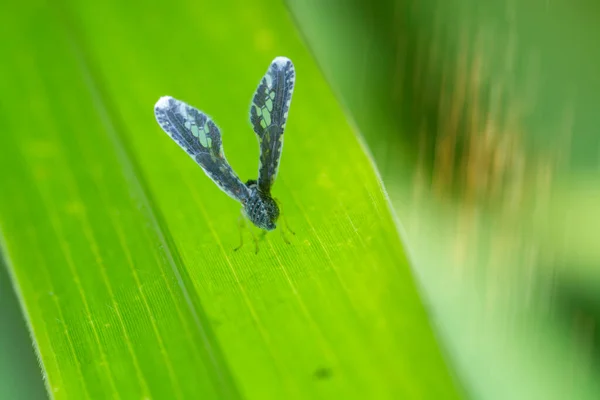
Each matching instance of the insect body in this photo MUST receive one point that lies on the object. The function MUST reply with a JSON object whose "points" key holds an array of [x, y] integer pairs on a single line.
{"points": [[198, 135]]}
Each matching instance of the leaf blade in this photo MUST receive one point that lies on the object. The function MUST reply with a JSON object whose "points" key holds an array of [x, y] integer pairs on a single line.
{"points": [[318, 318]]}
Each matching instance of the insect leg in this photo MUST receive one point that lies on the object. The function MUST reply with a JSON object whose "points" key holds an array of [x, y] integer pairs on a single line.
{"points": [[261, 235], [255, 240], [285, 239], [243, 224], [284, 220]]}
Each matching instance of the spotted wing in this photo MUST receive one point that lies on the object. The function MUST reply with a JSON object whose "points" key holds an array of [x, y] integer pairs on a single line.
{"points": [[198, 135], [268, 115]]}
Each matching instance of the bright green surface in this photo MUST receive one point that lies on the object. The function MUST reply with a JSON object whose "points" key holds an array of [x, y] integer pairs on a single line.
{"points": [[121, 247], [482, 118]]}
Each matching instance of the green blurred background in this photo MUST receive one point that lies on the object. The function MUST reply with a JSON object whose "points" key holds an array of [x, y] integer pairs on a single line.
{"points": [[481, 118], [20, 376]]}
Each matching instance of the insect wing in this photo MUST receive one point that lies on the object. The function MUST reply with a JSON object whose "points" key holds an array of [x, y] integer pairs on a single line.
{"points": [[198, 135], [268, 115]]}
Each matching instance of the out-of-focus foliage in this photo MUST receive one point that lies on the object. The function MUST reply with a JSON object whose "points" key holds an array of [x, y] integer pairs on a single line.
{"points": [[482, 118], [19, 371]]}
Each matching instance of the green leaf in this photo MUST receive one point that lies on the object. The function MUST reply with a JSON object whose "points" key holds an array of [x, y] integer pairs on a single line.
{"points": [[121, 248]]}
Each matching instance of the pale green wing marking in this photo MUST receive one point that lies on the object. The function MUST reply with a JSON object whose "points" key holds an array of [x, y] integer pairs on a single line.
{"points": [[198, 135], [268, 115]]}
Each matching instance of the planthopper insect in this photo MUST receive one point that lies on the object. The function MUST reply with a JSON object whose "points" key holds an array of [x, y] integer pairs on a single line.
{"points": [[198, 135]]}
